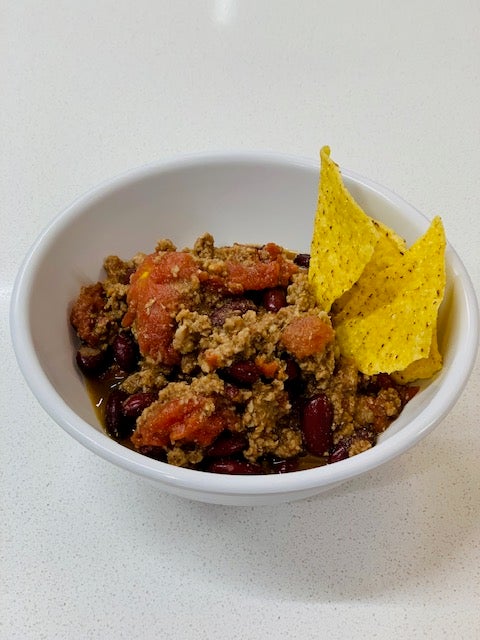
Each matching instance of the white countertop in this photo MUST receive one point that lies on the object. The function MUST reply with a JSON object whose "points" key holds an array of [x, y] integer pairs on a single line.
{"points": [[93, 88]]}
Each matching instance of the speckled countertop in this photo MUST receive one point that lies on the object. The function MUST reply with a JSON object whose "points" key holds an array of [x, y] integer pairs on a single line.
{"points": [[93, 88]]}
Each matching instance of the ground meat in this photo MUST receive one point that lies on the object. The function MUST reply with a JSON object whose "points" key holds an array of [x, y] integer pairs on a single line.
{"points": [[266, 435], [118, 270], [89, 316], [232, 348], [204, 247], [378, 410], [145, 379]]}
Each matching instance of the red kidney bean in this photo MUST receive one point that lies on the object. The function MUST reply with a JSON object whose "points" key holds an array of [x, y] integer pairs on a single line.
{"points": [[231, 307], [91, 361], [235, 467], [243, 373], [117, 424], [232, 392], [339, 452], [158, 453], [125, 352], [407, 393], [227, 444], [291, 369], [366, 433], [385, 381], [316, 423], [302, 260], [373, 385], [274, 299], [134, 405], [125, 277], [295, 385]]}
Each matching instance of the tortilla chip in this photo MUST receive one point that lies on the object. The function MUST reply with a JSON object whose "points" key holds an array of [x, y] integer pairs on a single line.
{"points": [[390, 319], [388, 250], [344, 237], [421, 369]]}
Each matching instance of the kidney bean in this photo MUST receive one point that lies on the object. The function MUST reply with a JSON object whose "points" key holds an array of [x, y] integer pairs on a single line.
{"points": [[373, 385], [291, 369], [366, 433], [233, 393], [274, 299], [91, 361], [316, 423], [385, 381], [295, 386], [407, 393], [302, 260], [124, 278], [134, 405], [117, 424], [231, 307], [227, 444], [339, 452], [243, 373], [125, 352], [235, 467], [158, 453]]}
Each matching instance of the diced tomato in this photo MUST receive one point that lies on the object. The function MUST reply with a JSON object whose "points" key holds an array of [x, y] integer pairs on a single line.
{"points": [[305, 336], [190, 421], [287, 267], [212, 359], [255, 274], [154, 297], [268, 368]]}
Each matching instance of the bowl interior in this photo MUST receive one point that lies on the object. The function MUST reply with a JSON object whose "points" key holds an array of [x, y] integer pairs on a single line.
{"points": [[237, 198]]}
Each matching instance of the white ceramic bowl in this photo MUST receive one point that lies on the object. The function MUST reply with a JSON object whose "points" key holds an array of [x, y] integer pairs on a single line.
{"points": [[244, 197]]}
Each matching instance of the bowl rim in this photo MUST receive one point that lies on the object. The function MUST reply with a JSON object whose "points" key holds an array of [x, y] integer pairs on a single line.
{"points": [[201, 481]]}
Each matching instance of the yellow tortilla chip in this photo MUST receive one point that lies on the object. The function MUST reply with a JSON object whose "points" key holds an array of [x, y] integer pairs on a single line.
{"points": [[423, 368], [390, 319], [389, 249], [344, 237]]}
